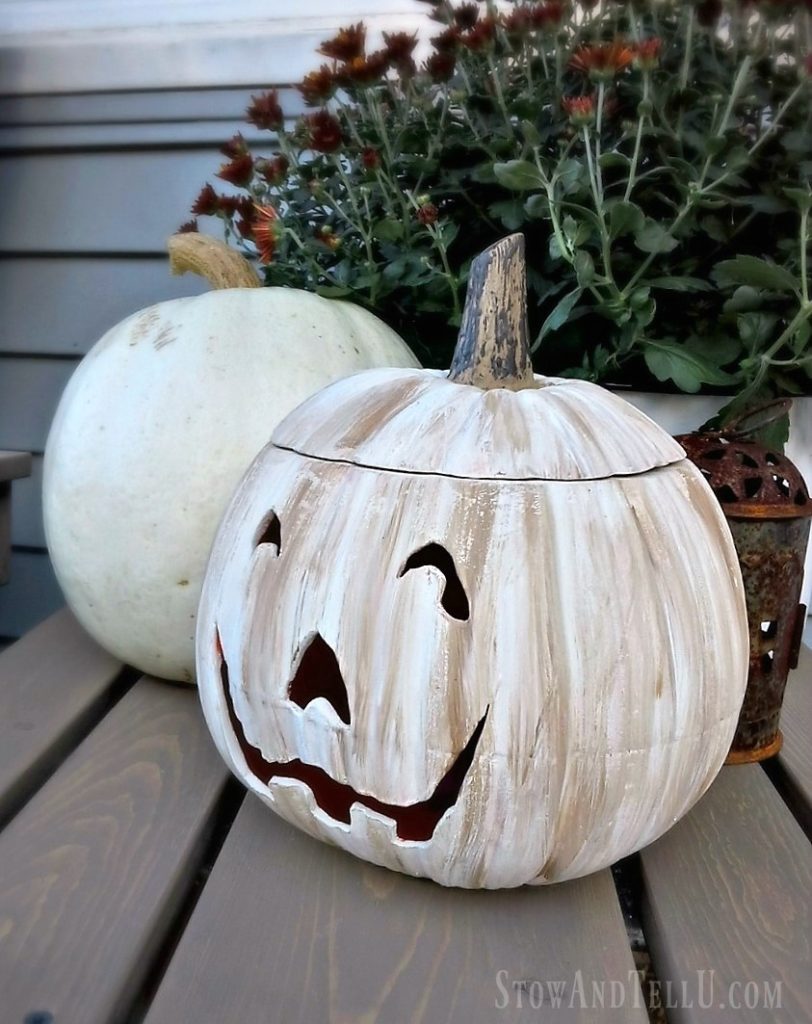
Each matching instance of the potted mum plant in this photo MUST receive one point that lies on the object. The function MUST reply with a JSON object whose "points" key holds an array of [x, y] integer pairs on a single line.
{"points": [[656, 155]]}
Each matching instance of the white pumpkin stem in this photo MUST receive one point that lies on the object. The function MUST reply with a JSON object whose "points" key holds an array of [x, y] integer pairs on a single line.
{"points": [[222, 266], [493, 349]]}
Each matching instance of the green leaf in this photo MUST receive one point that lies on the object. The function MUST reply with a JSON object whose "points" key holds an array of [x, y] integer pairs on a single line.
{"points": [[613, 159], [483, 173], [653, 237], [625, 218], [584, 268], [800, 196], [519, 175], [558, 317], [554, 248], [756, 328], [681, 284], [537, 206], [448, 232], [765, 203], [332, 291], [714, 228], [509, 211], [530, 133], [388, 230], [744, 300], [569, 173], [800, 340], [722, 348], [798, 141], [687, 369], [755, 272], [576, 232]]}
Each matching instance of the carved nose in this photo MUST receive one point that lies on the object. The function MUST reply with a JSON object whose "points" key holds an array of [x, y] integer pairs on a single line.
{"points": [[319, 675]]}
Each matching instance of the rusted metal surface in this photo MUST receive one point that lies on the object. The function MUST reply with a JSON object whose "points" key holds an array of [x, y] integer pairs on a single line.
{"points": [[750, 481], [768, 508]]}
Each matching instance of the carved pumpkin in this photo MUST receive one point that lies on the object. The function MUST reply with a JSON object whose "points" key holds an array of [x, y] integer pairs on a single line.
{"points": [[487, 627], [155, 429]]}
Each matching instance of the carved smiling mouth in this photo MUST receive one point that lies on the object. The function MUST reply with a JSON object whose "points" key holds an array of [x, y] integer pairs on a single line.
{"points": [[415, 822]]}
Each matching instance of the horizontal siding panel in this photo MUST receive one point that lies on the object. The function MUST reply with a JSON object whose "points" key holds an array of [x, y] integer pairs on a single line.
{"points": [[133, 107], [29, 393], [31, 595], [38, 16], [26, 509], [118, 202], [191, 56], [201, 134], [62, 306]]}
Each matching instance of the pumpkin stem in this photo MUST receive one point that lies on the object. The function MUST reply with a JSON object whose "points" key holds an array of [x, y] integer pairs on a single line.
{"points": [[493, 350], [222, 266]]}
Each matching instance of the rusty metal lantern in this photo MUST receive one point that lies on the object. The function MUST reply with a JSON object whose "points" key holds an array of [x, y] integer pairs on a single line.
{"points": [[768, 508]]}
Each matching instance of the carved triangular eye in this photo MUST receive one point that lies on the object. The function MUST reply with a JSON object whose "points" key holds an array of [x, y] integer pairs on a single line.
{"points": [[319, 675], [454, 599], [270, 532]]}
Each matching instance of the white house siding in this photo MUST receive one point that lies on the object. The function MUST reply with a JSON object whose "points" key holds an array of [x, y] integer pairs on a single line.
{"points": [[110, 116]]}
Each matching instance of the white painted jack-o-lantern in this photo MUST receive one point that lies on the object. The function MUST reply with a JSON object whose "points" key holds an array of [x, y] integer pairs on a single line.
{"points": [[483, 627]]}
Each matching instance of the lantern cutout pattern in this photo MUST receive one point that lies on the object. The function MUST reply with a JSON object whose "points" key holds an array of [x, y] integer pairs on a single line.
{"points": [[768, 508], [480, 626]]}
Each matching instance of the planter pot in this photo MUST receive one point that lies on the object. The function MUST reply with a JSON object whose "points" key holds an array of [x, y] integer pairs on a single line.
{"points": [[679, 414]]}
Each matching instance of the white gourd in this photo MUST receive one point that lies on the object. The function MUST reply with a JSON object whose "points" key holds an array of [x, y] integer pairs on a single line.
{"points": [[156, 427]]}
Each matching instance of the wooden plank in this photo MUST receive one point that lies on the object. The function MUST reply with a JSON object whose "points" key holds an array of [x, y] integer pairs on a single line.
{"points": [[86, 297], [52, 683], [728, 907], [29, 394], [794, 762], [118, 202], [96, 865], [288, 929], [31, 594], [14, 465], [26, 509]]}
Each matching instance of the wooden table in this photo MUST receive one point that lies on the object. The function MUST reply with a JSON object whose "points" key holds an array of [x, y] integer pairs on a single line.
{"points": [[138, 883], [13, 465]]}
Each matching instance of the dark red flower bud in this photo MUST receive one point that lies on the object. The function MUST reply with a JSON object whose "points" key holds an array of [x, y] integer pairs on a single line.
{"points": [[239, 171], [274, 171], [465, 16], [207, 203], [348, 44], [371, 158], [481, 35], [228, 205], [447, 41], [265, 111], [441, 66], [428, 213], [236, 146], [189, 228], [364, 70], [318, 86], [324, 132], [399, 45]]}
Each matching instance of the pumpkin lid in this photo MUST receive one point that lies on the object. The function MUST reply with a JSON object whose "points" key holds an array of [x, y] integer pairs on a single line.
{"points": [[418, 421], [489, 417]]}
